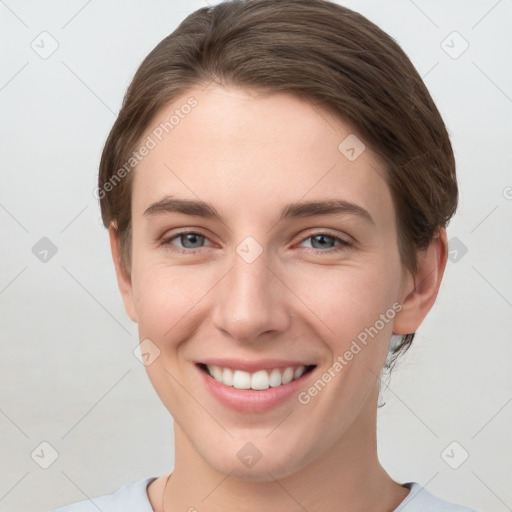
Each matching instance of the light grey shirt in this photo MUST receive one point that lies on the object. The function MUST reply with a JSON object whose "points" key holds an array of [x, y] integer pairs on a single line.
{"points": [[133, 497]]}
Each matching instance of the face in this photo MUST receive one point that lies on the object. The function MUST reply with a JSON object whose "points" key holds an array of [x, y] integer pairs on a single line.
{"points": [[236, 273]]}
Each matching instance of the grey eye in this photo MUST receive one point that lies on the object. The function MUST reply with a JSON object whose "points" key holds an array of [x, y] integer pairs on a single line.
{"points": [[194, 239], [322, 241]]}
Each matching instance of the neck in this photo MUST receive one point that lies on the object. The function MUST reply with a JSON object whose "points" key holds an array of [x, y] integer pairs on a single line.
{"points": [[347, 477]]}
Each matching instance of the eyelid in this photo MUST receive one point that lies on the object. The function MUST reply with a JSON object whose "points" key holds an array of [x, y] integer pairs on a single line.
{"points": [[165, 240], [337, 236]]}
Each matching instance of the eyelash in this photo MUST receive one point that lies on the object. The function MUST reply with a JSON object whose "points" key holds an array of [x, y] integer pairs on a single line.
{"points": [[343, 244]]}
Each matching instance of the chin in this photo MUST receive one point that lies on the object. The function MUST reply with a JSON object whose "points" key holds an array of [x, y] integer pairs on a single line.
{"points": [[270, 467], [258, 473]]}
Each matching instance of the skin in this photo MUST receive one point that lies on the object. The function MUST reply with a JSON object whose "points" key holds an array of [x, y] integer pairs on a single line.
{"points": [[249, 154]]}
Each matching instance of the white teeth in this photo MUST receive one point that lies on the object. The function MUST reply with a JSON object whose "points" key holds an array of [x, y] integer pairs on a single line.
{"points": [[260, 380], [227, 377], [275, 378], [217, 373], [287, 376], [299, 372], [241, 380]]}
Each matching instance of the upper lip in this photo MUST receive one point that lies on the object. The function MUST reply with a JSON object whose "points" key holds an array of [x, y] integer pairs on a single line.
{"points": [[254, 366]]}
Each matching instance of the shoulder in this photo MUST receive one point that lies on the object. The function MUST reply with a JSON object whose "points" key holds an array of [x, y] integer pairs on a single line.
{"points": [[131, 497], [420, 500]]}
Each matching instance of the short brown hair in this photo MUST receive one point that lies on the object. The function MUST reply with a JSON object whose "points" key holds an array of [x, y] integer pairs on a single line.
{"points": [[323, 53]]}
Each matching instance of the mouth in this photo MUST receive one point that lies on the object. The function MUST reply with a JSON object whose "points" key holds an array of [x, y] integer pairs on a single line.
{"points": [[258, 380]]}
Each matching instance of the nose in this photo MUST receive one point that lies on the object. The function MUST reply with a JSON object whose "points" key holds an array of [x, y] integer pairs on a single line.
{"points": [[250, 302]]}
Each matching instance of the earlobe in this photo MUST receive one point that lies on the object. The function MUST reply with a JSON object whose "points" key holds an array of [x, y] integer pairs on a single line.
{"points": [[421, 289], [124, 280]]}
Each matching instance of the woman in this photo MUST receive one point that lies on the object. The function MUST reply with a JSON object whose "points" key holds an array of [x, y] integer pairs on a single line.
{"points": [[276, 189]]}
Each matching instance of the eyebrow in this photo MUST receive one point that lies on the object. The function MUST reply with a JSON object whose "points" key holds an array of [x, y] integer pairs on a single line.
{"points": [[199, 208]]}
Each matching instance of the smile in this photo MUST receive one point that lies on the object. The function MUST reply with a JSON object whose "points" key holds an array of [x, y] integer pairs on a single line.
{"points": [[259, 380]]}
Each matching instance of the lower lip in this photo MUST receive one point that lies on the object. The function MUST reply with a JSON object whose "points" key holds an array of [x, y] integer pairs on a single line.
{"points": [[250, 400]]}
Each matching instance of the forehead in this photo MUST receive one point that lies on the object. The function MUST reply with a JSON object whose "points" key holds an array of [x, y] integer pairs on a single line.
{"points": [[241, 149]]}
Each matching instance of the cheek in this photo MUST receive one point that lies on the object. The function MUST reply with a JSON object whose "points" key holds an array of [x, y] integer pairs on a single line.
{"points": [[168, 298], [169, 302], [346, 302]]}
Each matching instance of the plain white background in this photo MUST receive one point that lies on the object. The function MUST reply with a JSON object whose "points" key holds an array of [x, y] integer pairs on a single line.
{"points": [[68, 376]]}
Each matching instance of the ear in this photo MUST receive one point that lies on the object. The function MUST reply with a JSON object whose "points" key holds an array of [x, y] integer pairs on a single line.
{"points": [[421, 288], [124, 280]]}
